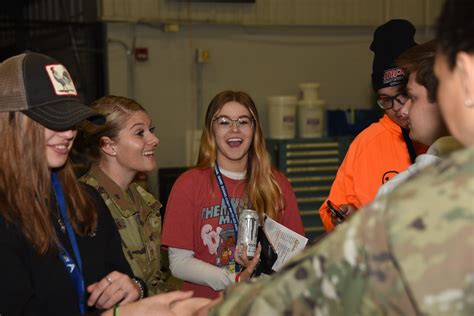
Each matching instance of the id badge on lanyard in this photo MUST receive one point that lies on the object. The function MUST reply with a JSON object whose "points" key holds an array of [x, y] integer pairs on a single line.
{"points": [[232, 211]]}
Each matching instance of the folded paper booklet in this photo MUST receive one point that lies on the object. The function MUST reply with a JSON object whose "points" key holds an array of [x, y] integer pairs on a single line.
{"points": [[286, 242]]}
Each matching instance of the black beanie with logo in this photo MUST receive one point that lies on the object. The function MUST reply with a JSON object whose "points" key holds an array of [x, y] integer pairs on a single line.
{"points": [[390, 41]]}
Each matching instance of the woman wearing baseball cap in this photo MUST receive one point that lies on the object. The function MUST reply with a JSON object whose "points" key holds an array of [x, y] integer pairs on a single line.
{"points": [[61, 253]]}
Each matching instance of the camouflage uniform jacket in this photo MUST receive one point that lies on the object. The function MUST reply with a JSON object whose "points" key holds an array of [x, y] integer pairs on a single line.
{"points": [[137, 216], [410, 253]]}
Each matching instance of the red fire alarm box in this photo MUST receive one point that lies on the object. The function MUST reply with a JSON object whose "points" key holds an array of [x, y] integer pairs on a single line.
{"points": [[141, 54]]}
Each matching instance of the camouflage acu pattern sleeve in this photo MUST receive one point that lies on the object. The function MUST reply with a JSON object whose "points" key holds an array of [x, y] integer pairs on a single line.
{"points": [[411, 253], [334, 277], [432, 236]]}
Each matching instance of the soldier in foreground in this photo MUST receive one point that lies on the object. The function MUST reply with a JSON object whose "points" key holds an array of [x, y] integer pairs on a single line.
{"points": [[410, 253]]}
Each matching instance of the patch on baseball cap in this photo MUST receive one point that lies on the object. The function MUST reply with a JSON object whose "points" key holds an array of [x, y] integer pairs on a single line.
{"points": [[43, 89]]}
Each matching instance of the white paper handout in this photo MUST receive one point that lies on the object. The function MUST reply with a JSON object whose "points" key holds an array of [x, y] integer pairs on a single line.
{"points": [[286, 242]]}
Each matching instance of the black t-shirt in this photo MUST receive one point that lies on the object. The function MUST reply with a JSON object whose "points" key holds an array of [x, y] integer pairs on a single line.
{"points": [[31, 284]]}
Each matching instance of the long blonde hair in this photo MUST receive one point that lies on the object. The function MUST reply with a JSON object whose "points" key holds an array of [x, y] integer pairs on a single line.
{"points": [[117, 111], [25, 184], [262, 190]]}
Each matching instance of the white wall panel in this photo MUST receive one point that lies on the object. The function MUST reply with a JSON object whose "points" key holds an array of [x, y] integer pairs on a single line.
{"points": [[433, 8], [262, 61], [413, 11], [145, 9], [107, 9], [274, 12], [121, 8], [264, 48]]}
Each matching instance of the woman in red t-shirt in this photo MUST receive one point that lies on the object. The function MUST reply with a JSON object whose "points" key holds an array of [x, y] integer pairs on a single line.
{"points": [[198, 226]]}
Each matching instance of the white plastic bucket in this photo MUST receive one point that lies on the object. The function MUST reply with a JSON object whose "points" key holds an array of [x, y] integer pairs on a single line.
{"points": [[309, 91], [311, 118], [282, 116]]}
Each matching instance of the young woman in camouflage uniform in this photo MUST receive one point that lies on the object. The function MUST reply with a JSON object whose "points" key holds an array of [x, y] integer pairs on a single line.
{"points": [[120, 149]]}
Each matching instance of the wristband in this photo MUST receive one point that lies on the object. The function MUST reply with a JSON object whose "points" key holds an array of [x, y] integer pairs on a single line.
{"points": [[140, 288], [116, 310], [237, 277]]}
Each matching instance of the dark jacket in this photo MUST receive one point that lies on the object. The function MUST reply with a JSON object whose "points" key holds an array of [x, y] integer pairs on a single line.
{"points": [[33, 284]]}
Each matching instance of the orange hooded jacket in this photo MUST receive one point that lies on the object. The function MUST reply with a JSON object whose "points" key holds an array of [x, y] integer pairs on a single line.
{"points": [[375, 156]]}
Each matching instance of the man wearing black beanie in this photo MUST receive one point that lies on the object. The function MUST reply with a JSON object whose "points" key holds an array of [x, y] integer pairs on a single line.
{"points": [[383, 149]]}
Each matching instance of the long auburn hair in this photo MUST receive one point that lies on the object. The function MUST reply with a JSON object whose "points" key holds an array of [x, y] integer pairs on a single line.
{"points": [[262, 190], [25, 185]]}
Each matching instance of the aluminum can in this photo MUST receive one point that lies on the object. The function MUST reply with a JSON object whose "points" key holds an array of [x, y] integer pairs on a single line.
{"points": [[248, 229]]}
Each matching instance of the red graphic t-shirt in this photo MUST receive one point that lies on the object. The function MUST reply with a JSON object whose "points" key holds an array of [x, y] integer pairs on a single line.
{"points": [[197, 219]]}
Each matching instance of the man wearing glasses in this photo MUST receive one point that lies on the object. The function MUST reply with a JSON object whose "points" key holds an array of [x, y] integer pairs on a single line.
{"points": [[383, 149]]}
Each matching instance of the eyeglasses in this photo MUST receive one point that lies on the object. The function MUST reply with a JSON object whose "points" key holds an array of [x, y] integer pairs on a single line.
{"points": [[387, 102], [225, 123]]}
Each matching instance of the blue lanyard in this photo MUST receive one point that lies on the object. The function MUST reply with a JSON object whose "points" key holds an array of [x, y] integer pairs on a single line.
{"points": [[225, 195], [230, 208], [73, 269]]}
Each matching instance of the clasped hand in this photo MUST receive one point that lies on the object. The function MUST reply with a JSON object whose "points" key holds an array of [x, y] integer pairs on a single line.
{"points": [[115, 288]]}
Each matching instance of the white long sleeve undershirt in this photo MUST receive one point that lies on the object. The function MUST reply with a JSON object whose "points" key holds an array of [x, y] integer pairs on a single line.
{"points": [[184, 266]]}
